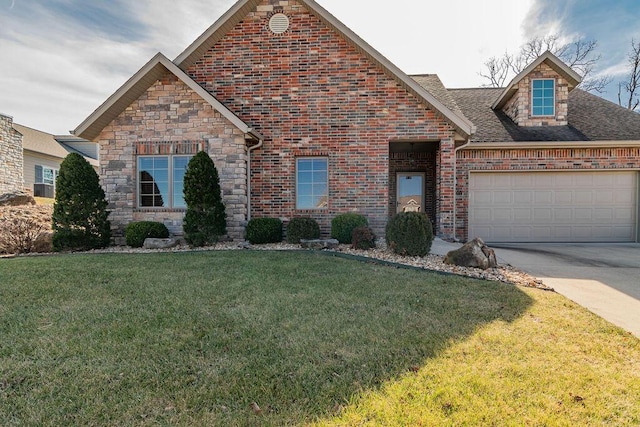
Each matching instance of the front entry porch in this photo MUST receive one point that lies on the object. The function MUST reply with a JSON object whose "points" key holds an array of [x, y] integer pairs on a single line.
{"points": [[413, 178]]}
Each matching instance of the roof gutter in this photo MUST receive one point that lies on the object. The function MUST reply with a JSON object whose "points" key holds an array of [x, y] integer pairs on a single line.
{"points": [[548, 144], [455, 186], [249, 151]]}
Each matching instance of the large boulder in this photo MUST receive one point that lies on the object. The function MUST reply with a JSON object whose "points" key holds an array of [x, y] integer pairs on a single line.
{"points": [[17, 198], [319, 244], [151, 243], [473, 254]]}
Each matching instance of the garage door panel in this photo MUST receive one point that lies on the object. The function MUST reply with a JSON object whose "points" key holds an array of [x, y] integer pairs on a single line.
{"points": [[564, 197], [554, 206], [583, 197], [503, 198], [522, 196], [522, 215], [563, 215]]}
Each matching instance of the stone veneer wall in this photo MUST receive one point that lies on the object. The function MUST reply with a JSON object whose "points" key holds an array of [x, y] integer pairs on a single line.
{"points": [[519, 106], [311, 93], [535, 159], [170, 111], [11, 157]]}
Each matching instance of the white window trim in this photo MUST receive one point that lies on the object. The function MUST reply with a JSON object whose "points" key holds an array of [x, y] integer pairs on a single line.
{"points": [[54, 172], [170, 196], [326, 159], [554, 98]]}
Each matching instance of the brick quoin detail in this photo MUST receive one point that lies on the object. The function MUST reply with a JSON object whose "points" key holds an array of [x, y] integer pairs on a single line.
{"points": [[311, 93], [170, 111], [542, 159]]}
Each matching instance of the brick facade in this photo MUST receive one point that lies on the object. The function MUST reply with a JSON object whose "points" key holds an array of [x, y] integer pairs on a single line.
{"points": [[535, 159], [11, 157], [170, 112], [311, 93], [519, 106]]}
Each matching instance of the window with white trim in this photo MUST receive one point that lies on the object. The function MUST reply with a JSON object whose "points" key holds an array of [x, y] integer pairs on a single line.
{"points": [[543, 97], [46, 175], [161, 181], [312, 183]]}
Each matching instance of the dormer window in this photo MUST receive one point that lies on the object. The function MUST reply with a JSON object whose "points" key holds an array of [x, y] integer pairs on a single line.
{"points": [[543, 97]]}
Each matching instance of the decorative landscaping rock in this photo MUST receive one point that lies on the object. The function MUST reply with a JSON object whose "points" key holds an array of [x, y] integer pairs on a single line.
{"points": [[473, 254], [161, 243], [17, 198], [319, 244]]}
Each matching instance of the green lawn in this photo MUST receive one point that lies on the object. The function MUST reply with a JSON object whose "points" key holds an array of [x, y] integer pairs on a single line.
{"points": [[196, 338]]}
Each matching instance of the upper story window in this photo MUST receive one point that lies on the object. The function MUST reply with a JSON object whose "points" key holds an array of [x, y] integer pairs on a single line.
{"points": [[543, 97], [312, 183]]}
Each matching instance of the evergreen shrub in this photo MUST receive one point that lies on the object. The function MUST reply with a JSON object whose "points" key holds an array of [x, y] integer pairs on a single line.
{"points": [[409, 234], [342, 226], [206, 220], [80, 210], [264, 230], [302, 228], [137, 232]]}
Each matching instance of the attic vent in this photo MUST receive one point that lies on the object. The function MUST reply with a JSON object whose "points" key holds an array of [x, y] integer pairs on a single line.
{"points": [[279, 23]]}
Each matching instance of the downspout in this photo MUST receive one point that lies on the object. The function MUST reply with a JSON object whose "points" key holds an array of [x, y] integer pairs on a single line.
{"points": [[249, 150], [455, 185]]}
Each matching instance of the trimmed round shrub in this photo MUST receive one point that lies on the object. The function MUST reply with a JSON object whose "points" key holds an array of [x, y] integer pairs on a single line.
{"points": [[363, 238], [409, 234], [343, 225], [80, 213], [206, 220], [302, 228], [264, 230], [137, 232]]}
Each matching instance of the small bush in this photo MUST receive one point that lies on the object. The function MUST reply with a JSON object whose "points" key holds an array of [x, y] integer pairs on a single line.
{"points": [[363, 238], [302, 228], [343, 225], [136, 232], [22, 236], [409, 234], [264, 230]]}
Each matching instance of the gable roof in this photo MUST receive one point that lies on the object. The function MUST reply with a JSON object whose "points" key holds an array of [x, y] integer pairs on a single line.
{"points": [[240, 9], [433, 84], [591, 119], [551, 60], [44, 143], [153, 70]]}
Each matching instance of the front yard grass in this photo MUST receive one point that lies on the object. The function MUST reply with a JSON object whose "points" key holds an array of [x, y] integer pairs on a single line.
{"points": [[198, 338]]}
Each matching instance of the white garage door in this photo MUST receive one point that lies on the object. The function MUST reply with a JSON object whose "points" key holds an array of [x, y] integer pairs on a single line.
{"points": [[553, 206]]}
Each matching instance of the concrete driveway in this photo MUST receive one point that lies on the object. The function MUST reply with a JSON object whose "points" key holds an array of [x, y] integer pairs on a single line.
{"points": [[604, 278]]}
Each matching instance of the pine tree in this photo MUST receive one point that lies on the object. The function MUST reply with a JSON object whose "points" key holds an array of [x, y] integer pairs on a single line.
{"points": [[80, 209], [206, 220]]}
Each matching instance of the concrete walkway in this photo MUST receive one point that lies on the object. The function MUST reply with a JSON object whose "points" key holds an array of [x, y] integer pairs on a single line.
{"points": [[604, 278]]}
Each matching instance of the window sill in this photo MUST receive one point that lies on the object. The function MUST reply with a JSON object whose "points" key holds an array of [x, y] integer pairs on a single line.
{"points": [[160, 209]]}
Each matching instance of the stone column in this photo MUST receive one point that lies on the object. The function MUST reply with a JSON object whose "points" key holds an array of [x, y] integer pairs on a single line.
{"points": [[11, 157]]}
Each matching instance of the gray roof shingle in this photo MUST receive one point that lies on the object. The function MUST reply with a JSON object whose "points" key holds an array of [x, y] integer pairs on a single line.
{"points": [[591, 118]]}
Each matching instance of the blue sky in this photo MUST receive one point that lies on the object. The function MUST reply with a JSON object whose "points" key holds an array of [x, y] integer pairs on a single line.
{"points": [[60, 59]]}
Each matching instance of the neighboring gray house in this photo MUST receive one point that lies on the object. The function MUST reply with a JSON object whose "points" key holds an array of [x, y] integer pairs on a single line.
{"points": [[31, 158]]}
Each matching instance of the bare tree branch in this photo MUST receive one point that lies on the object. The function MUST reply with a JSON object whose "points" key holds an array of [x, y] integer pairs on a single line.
{"points": [[632, 85], [579, 54], [497, 70]]}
